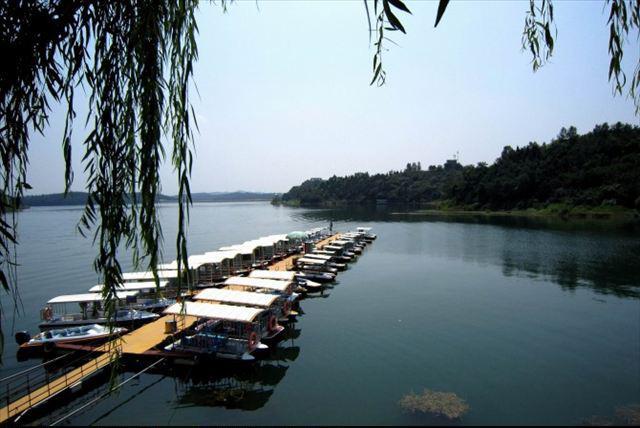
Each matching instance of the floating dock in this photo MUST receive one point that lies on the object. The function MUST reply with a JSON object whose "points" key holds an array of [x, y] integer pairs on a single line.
{"points": [[138, 342]]}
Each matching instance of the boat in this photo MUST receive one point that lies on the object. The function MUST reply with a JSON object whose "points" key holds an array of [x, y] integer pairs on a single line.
{"points": [[84, 309], [272, 286], [281, 275], [272, 304], [314, 265], [367, 236], [341, 250], [148, 298], [328, 259], [306, 284], [321, 277], [334, 254], [226, 332], [94, 333], [310, 286]]}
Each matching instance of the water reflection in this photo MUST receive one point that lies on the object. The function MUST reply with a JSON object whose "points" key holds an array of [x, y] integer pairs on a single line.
{"points": [[237, 386], [601, 255], [230, 387]]}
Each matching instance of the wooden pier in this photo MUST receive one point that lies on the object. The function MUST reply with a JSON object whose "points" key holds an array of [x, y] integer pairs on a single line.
{"points": [[139, 342], [289, 262]]}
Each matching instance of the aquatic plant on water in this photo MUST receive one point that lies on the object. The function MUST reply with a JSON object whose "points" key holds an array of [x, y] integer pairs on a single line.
{"points": [[623, 416], [628, 415], [445, 404]]}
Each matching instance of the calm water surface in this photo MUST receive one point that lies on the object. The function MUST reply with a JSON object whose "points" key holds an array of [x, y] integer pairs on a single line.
{"points": [[529, 322]]}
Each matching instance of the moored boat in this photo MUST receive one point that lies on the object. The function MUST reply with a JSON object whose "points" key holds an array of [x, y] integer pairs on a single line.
{"points": [[272, 304], [226, 332], [93, 333], [284, 289], [321, 277], [83, 309]]}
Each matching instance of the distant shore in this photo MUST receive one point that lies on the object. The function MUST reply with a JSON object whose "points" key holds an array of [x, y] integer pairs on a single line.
{"points": [[80, 198], [558, 211]]}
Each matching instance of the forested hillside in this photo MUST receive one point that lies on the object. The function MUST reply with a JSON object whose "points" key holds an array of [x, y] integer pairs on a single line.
{"points": [[601, 167]]}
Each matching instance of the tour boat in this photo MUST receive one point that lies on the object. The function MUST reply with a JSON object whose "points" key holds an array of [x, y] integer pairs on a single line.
{"points": [[147, 298], [310, 286], [316, 276], [284, 289], [281, 275], [93, 333], [328, 259], [273, 305], [83, 309], [367, 236], [227, 332]]}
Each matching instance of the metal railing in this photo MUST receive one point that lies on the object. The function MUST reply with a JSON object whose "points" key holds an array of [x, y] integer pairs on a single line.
{"points": [[24, 390]]}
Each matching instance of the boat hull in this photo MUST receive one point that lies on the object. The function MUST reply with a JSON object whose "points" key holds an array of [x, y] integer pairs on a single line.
{"points": [[38, 347], [129, 323]]}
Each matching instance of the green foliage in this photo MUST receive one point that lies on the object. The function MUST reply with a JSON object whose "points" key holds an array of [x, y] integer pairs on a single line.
{"points": [[538, 36], [539, 26], [135, 60], [598, 169], [408, 186]]}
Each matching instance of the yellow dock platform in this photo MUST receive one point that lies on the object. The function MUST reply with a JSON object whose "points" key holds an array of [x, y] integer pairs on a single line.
{"points": [[56, 386], [137, 343], [150, 335]]}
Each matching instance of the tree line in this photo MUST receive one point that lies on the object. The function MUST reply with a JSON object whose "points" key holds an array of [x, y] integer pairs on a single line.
{"points": [[601, 167]]}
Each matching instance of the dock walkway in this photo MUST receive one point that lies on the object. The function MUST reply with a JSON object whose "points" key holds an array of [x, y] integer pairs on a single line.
{"points": [[289, 262], [137, 342]]}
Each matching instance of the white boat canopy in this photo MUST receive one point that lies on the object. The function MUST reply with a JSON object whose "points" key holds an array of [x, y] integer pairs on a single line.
{"points": [[148, 276], [273, 238], [363, 229], [168, 266], [214, 311], [341, 242], [128, 286], [89, 297], [240, 248], [239, 297], [333, 247], [213, 257], [219, 256], [311, 261], [281, 275], [270, 284], [257, 243], [318, 256]]}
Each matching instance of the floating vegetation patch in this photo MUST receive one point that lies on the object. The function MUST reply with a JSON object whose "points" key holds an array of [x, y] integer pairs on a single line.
{"points": [[624, 416], [628, 415], [437, 403]]}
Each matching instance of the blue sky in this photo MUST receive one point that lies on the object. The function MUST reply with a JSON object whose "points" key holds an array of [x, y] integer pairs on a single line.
{"points": [[284, 91]]}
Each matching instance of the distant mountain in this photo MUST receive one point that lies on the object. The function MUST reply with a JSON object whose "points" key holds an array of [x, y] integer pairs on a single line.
{"points": [[80, 198], [55, 199]]}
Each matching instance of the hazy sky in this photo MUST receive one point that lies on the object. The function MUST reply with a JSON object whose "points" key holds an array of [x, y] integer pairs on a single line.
{"points": [[284, 91]]}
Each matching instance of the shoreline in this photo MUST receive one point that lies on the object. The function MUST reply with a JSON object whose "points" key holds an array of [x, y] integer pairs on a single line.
{"points": [[564, 214]]}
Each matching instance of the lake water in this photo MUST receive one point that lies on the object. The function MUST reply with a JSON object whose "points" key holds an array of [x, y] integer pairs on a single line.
{"points": [[530, 322]]}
